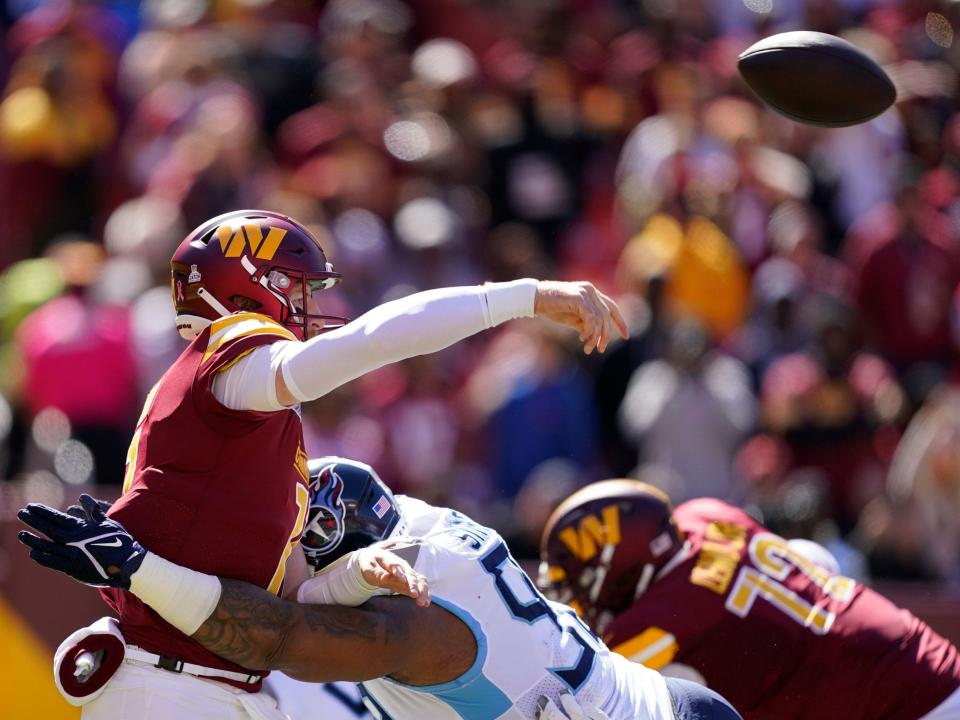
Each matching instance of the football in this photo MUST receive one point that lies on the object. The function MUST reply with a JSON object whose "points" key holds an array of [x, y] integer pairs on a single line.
{"points": [[816, 78]]}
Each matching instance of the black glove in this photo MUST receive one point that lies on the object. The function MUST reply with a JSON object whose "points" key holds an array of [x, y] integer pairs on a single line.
{"points": [[93, 549]]}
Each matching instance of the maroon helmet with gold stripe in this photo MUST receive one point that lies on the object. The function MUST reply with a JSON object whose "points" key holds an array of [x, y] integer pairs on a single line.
{"points": [[248, 260], [603, 545]]}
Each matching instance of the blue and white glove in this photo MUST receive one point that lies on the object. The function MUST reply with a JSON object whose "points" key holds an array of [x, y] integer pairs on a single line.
{"points": [[93, 549]]}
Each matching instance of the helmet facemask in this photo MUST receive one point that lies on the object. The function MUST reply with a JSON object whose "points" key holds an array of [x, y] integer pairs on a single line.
{"points": [[294, 316]]}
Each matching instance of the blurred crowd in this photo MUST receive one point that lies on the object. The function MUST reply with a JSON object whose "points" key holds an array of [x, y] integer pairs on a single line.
{"points": [[792, 291]]}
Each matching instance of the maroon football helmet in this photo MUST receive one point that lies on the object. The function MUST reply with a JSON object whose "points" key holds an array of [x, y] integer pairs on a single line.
{"points": [[603, 545], [248, 260]]}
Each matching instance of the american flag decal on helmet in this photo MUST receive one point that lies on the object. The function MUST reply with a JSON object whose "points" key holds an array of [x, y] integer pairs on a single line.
{"points": [[381, 506]]}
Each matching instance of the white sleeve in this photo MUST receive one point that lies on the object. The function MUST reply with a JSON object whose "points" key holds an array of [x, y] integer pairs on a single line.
{"points": [[415, 325], [250, 383]]}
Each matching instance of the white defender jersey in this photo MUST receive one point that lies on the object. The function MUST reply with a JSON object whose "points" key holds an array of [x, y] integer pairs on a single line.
{"points": [[316, 701], [527, 646]]}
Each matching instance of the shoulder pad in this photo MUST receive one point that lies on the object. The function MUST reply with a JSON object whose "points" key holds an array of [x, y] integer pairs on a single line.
{"points": [[242, 325]]}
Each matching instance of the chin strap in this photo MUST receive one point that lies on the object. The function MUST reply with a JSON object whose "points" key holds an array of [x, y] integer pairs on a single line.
{"points": [[189, 325], [603, 567], [210, 300], [646, 575]]}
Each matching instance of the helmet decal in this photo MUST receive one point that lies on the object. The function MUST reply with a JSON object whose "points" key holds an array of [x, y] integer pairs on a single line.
{"points": [[233, 242], [381, 506], [324, 531], [350, 508], [593, 533]]}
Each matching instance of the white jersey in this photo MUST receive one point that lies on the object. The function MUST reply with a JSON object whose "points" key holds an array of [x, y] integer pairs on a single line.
{"points": [[316, 701], [527, 646]]}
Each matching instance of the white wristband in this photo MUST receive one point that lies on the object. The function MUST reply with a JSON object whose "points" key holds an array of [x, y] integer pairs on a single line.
{"points": [[340, 583], [510, 300], [183, 597]]}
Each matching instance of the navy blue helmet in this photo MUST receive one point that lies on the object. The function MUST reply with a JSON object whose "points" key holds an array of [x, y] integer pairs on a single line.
{"points": [[350, 508]]}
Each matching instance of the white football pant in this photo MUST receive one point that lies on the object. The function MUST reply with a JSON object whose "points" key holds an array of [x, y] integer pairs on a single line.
{"points": [[142, 692]]}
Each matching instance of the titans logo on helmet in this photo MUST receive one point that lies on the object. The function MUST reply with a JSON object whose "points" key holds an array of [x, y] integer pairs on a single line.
{"points": [[324, 530]]}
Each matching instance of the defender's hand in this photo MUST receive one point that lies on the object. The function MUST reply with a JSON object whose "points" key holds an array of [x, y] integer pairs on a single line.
{"points": [[382, 568], [584, 308], [93, 549], [547, 709]]}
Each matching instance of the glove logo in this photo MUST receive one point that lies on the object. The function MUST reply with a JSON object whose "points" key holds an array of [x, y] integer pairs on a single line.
{"points": [[114, 543]]}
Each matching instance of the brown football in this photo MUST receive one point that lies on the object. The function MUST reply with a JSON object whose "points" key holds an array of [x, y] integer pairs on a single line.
{"points": [[816, 78]]}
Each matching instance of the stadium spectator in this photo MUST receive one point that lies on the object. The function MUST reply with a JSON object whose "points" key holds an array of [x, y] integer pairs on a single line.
{"points": [[689, 412], [448, 143], [834, 404]]}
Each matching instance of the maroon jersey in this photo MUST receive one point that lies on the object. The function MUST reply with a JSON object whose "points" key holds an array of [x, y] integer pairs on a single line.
{"points": [[780, 637], [217, 490]]}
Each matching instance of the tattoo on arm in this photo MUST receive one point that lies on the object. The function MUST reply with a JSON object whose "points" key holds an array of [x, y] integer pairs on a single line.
{"points": [[247, 624], [257, 630]]}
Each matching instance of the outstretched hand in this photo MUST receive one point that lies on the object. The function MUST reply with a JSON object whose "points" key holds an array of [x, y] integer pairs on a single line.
{"points": [[384, 569], [581, 306], [92, 549]]}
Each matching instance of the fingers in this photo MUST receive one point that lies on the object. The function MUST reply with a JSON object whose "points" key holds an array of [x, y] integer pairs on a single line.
{"points": [[52, 561], [46, 553], [395, 574], [52, 523], [547, 709], [92, 508], [36, 543], [422, 589], [616, 316], [594, 314], [571, 707], [407, 581]]}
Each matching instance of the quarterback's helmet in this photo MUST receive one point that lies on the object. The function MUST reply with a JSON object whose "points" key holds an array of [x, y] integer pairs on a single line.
{"points": [[602, 546], [350, 508], [248, 260]]}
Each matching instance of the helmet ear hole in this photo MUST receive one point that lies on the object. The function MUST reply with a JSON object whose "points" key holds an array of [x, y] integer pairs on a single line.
{"points": [[246, 304]]}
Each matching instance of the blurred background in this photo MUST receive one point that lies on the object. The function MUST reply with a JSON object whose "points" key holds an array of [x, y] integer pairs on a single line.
{"points": [[792, 292]]}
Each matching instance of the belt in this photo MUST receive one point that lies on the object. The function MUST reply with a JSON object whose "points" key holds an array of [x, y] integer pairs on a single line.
{"points": [[168, 662]]}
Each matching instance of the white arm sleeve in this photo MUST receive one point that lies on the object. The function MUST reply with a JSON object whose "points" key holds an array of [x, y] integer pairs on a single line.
{"points": [[250, 384], [415, 325]]}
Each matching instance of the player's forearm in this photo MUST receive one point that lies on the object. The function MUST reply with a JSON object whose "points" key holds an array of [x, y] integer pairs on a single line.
{"points": [[415, 325], [315, 643], [247, 625]]}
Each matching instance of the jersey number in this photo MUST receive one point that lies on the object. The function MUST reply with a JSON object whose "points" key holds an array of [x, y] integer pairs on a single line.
{"points": [[133, 450], [498, 563], [774, 559]]}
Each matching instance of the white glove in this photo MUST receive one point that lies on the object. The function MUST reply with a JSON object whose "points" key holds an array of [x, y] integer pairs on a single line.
{"points": [[572, 710]]}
